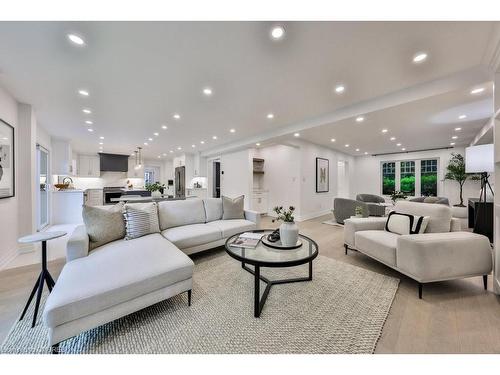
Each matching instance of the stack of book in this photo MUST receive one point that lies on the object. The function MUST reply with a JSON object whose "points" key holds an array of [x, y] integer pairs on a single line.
{"points": [[247, 240]]}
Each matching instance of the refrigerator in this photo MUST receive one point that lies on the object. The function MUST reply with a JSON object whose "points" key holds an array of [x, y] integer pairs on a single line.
{"points": [[180, 182]]}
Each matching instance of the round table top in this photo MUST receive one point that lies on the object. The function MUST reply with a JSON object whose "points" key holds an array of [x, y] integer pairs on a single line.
{"points": [[41, 236], [265, 256]]}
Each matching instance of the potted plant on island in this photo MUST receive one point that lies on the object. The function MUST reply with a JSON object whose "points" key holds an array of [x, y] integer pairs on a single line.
{"points": [[455, 170], [156, 189], [289, 231]]}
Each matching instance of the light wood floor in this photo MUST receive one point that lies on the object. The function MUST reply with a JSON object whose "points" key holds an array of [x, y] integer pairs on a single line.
{"points": [[453, 316]]}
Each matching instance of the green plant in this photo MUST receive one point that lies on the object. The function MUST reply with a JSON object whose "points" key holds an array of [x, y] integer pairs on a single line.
{"points": [[358, 211], [156, 186], [455, 170], [283, 214], [398, 195]]}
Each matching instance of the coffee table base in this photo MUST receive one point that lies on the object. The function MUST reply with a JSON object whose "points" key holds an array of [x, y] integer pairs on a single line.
{"points": [[260, 301]]}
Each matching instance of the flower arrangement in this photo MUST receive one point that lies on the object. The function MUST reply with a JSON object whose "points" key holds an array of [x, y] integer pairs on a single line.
{"points": [[283, 214], [397, 195]]}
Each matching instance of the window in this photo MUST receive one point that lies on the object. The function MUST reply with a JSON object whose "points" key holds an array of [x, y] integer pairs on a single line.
{"points": [[148, 177], [388, 177], [428, 177], [412, 177], [407, 179]]}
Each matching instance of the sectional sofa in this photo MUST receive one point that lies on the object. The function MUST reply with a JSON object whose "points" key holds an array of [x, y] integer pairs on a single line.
{"points": [[125, 276]]}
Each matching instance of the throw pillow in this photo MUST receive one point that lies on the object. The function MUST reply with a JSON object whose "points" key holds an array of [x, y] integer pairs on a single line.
{"points": [[103, 225], [233, 208], [400, 223], [431, 199], [140, 219]]}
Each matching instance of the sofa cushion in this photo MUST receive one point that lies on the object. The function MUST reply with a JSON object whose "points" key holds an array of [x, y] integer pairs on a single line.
{"points": [[439, 214], [181, 212], [378, 244], [213, 208], [231, 227], [140, 219], [405, 223], [232, 208], [192, 235], [115, 273], [103, 225]]}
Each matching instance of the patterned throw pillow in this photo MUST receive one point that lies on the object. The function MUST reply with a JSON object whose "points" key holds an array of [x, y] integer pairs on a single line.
{"points": [[103, 225], [140, 219], [400, 223]]}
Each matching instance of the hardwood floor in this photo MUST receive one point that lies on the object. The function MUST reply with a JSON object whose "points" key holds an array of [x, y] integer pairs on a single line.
{"points": [[453, 316]]}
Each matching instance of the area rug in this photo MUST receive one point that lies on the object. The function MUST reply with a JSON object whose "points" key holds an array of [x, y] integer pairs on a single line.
{"points": [[333, 222], [342, 310]]}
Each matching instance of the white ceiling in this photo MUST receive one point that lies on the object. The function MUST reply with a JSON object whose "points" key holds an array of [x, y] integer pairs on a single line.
{"points": [[140, 73]]}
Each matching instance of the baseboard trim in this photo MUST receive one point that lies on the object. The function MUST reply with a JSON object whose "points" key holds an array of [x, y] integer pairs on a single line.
{"points": [[313, 215], [7, 259]]}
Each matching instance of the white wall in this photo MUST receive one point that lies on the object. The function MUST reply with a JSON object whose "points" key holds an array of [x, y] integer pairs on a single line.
{"points": [[237, 177], [8, 206], [367, 176]]}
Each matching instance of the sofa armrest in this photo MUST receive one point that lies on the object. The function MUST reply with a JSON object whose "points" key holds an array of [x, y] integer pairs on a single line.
{"points": [[456, 225], [78, 244], [253, 216], [351, 226], [443, 256]]}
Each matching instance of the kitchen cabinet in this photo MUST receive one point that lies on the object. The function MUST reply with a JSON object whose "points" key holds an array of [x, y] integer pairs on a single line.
{"points": [[89, 166], [93, 197], [67, 207], [134, 172], [197, 192], [63, 162], [200, 166], [259, 202]]}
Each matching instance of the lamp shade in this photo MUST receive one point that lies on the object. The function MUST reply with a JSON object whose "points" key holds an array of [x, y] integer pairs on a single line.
{"points": [[479, 159]]}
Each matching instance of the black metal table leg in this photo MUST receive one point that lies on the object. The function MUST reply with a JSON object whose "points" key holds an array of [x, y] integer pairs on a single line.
{"points": [[256, 291]]}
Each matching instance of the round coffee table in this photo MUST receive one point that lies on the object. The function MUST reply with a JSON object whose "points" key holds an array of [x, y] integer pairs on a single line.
{"points": [[264, 256]]}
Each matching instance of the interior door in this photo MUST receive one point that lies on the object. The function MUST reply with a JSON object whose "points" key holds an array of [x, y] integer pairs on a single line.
{"points": [[42, 196]]}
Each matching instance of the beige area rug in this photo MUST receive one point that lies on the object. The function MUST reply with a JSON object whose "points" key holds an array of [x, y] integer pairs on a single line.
{"points": [[342, 310]]}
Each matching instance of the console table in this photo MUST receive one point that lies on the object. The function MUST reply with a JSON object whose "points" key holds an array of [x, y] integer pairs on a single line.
{"points": [[484, 223]]}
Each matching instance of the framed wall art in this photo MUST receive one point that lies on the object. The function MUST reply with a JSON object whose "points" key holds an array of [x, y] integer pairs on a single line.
{"points": [[7, 171], [322, 175]]}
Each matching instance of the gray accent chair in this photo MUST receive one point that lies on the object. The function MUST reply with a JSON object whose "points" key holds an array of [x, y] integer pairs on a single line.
{"points": [[373, 201], [434, 200], [442, 252], [344, 208]]}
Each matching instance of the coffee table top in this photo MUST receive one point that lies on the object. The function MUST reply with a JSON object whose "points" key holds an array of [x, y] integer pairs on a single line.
{"points": [[41, 236], [266, 256]]}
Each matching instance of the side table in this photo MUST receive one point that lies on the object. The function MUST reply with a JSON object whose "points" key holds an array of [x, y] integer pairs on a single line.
{"points": [[42, 237]]}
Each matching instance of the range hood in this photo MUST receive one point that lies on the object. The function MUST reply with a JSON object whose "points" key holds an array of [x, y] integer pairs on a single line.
{"points": [[114, 163]]}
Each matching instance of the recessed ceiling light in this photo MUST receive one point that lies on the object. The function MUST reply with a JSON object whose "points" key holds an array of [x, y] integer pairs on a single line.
{"points": [[384, 130], [477, 91], [393, 138], [150, 139], [232, 130], [360, 119], [87, 111], [164, 154], [257, 144], [270, 116], [347, 145], [76, 39], [146, 143], [357, 149], [156, 134], [101, 137], [277, 32], [193, 146], [458, 129], [454, 137], [179, 148], [332, 140], [296, 135], [132, 154], [202, 142], [90, 130], [398, 144], [403, 149], [159, 156], [461, 117], [177, 116], [452, 144], [101, 143], [164, 127], [89, 122], [171, 151], [83, 92], [339, 89], [420, 57], [366, 153], [207, 91], [214, 137]]}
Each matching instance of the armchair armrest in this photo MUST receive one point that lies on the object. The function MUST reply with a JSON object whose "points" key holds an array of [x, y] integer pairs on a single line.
{"points": [[78, 244], [253, 216], [456, 225], [443, 256], [351, 226]]}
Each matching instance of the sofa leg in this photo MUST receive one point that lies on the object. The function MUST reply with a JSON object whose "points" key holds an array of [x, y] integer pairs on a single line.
{"points": [[419, 291], [346, 248], [189, 297], [55, 349], [485, 282]]}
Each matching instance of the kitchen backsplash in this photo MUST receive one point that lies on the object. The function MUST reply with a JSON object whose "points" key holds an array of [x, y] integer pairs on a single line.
{"points": [[106, 179]]}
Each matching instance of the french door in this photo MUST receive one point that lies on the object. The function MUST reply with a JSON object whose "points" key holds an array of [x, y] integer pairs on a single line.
{"points": [[43, 184]]}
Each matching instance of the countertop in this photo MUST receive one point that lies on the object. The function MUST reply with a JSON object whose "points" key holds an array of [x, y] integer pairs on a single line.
{"points": [[68, 191]]}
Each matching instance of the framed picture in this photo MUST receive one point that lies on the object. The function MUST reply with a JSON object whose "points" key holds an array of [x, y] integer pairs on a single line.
{"points": [[322, 175], [7, 176]]}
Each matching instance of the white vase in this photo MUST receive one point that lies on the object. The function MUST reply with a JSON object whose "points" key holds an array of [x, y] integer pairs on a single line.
{"points": [[156, 194], [289, 234]]}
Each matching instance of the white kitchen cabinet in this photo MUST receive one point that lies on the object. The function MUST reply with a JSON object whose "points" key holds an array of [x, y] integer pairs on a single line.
{"points": [[200, 166], [67, 207], [197, 192], [93, 197], [259, 202], [63, 162], [132, 171], [89, 166]]}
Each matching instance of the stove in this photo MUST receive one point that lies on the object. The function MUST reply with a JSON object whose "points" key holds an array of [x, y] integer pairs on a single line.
{"points": [[111, 192]]}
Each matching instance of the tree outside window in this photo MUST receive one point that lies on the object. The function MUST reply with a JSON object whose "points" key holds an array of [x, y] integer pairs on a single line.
{"points": [[388, 178], [407, 180]]}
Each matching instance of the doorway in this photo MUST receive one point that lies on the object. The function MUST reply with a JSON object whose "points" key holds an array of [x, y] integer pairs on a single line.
{"points": [[343, 179], [216, 179], [42, 180]]}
